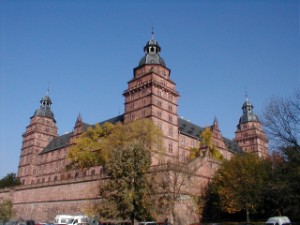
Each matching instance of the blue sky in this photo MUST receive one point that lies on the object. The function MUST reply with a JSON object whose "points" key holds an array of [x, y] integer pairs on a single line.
{"points": [[85, 51]]}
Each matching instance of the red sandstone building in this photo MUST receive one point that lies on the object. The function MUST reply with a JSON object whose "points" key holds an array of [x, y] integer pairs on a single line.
{"points": [[151, 94]]}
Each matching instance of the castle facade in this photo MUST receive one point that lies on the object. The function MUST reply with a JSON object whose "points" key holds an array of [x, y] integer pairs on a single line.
{"points": [[151, 94]]}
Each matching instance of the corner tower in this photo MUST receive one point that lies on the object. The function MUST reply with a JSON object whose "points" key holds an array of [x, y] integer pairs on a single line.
{"points": [[249, 134], [41, 130], [152, 94]]}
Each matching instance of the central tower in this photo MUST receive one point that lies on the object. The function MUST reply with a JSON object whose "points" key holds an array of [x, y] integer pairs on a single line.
{"points": [[152, 94]]}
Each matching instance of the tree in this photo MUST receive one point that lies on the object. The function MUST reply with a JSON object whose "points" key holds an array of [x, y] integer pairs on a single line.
{"points": [[9, 180], [239, 183], [170, 182], [91, 147], [284, 173], [206, 147], [6, 210], [125, 153], [282, 121], [94, 146], [126, 193]]}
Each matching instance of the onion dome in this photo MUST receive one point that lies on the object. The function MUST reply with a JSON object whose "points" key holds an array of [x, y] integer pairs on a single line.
{"points": [[248, 114], [45, 108], [152, 50]]}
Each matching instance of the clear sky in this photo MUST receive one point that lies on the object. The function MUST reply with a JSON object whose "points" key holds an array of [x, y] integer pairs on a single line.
{"points": [[85, 52]]}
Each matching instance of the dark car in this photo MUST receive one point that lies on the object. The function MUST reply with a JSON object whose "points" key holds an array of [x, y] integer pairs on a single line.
{"points": [[20, 222]]}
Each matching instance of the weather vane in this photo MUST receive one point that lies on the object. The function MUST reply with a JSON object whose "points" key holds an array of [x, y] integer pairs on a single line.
{"points": [[152, 32]]}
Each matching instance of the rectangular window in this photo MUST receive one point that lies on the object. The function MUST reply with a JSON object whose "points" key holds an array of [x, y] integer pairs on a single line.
{"points": [[193, 143], [159, 114], [171, 147], [159, 125], [159, 92], [132, 116], [182, 141], [170, 131]]}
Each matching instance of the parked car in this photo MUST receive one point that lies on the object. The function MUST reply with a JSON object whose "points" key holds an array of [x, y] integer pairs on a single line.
{"points": [[116, 223], [80, 220], [278, 220], [63, 219], [148, 223], [20, 222]]}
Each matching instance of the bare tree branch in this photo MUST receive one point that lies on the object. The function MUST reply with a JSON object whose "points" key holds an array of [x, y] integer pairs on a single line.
{"points": [[282, 121]]}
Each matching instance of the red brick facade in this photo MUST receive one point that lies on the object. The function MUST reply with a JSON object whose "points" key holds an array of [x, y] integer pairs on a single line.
{"points": [[49, 189]]}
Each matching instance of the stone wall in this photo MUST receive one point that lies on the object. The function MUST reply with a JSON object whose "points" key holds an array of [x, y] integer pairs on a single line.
{"points": [[44, 201]]}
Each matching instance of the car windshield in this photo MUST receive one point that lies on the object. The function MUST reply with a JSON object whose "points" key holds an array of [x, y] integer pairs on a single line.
{"points": [[67, 220]]}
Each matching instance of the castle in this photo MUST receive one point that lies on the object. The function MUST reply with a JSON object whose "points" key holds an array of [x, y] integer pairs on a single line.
{"points": [[47, 187]]}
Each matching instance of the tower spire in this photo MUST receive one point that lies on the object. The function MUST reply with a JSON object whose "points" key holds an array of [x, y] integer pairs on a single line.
{"points": [[152, 50], [246, 94], [152, 32], [48, 89]]}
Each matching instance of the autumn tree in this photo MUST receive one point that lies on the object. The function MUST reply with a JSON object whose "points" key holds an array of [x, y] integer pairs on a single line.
{"points": [[125, 152], [206, 147], [239, 183], [126, 193], [91, 147], [6, 210]]}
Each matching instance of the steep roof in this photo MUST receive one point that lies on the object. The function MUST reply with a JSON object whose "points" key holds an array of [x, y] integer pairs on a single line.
{"points": [[188, 128], [184, 127], [63, 140], [193, 130], [57, 143]]}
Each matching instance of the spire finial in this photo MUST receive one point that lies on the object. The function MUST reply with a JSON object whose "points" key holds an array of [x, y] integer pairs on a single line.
{"points": [[246, 94], [79, 118], [152, 32], [48, 89], [216, 122]]}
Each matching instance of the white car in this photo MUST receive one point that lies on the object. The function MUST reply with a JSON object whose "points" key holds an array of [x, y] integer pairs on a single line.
{"points": [[63, 219], [148, 223], [278, 220]]}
